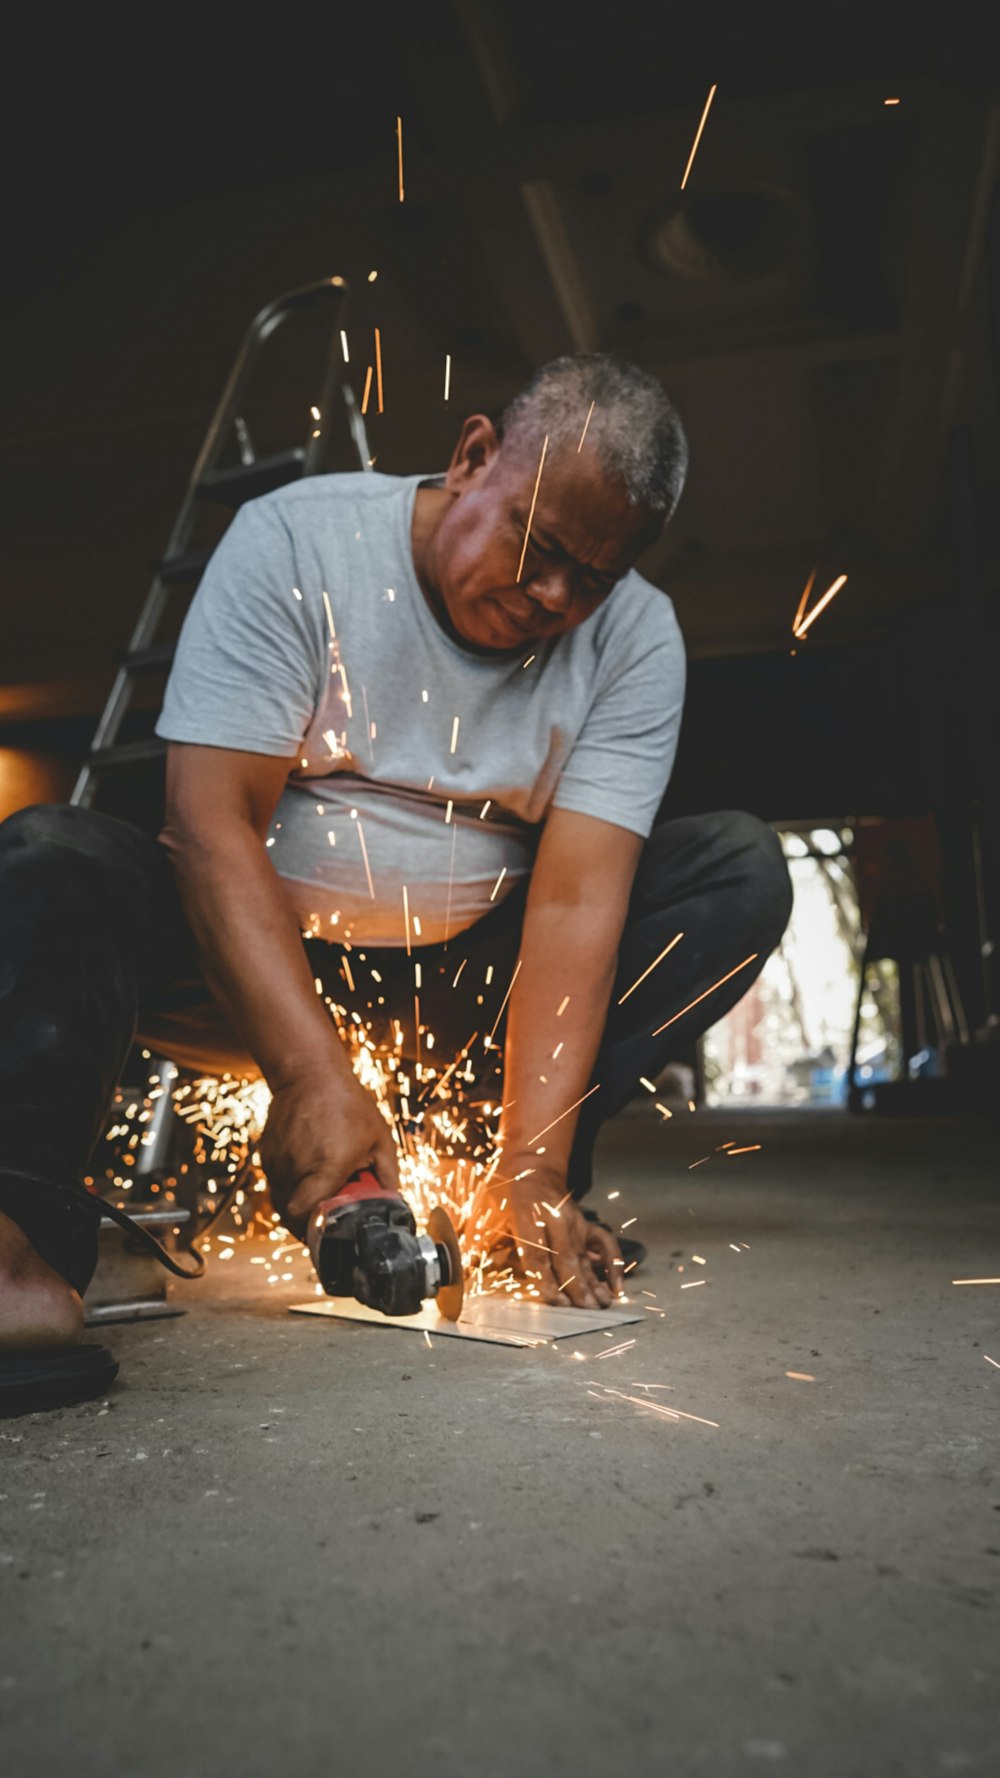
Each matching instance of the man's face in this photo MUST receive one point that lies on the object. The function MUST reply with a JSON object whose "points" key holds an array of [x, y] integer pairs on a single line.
{"points": [[585, 535]]}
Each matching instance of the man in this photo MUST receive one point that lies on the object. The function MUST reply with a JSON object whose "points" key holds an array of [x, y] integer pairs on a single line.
{"points": [[426, 722]]}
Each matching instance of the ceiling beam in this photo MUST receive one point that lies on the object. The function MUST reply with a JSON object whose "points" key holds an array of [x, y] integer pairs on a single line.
{"points": [[481, 27]]}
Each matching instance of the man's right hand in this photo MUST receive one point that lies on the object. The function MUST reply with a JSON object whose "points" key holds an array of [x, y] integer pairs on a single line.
{"points": [[322, 1127]]}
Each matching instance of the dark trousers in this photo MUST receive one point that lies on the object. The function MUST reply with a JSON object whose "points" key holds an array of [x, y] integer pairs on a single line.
{"points": [[95, 952]]}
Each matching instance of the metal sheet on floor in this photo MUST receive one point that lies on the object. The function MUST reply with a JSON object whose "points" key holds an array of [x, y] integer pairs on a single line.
{"points": [[492, 1321]]}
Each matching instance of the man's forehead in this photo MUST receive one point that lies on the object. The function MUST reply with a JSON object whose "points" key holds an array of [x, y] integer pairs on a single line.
{"points": [[568, 478], [578, 501]]}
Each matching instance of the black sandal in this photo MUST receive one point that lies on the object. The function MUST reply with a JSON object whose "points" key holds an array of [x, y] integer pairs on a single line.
{"points": [[39, 1380]]}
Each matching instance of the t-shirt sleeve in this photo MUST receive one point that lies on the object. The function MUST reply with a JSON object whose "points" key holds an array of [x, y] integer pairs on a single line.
{"points": [[245, 674], [624, 755]]}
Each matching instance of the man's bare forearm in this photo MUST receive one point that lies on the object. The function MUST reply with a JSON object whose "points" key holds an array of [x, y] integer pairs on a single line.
{"points": [[557, 1013], [251, 952]]}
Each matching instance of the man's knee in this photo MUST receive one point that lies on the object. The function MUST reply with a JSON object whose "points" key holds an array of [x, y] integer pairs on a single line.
{"points": [[764, 872], [62, 863], [46, 851], [45, 828], [50, 834]]}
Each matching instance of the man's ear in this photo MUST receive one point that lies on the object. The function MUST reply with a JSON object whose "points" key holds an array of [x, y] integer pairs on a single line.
{"points": [[474, 455]]}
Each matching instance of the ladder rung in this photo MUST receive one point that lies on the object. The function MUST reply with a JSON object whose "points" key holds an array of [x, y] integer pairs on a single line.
{"points": [[172, 569], [148, 660], [247, 481], [127, 754]]}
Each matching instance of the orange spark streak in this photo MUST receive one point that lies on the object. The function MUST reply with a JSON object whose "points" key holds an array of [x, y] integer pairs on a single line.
{"points": [[510, 989], [830, 593], [748, 1150], [659, 1408], [378, 367], [562, 1114], [534, 497], [586, 423], [329, 617], [439, 1085], [368, 390], [406, 917], [416, 1026], [563, 1007], [364, 854], [708, 991], [671, 1413], [498, 882], [976, 1280], [399, 139], [454, 733], [652, 966], [800, 1376], [803, 602], [447, 375], [347, 971], [701, 126]]}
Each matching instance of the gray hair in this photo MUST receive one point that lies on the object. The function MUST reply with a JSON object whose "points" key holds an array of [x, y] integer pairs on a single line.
{"points": [[634, 428]]}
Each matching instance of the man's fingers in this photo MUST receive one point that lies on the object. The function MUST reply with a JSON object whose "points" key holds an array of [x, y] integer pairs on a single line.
{"points": [[575, 1278], [576, 1292], [601, 1291], [535, 1254], [548, 1291], [311, 1189], [387, 1162], [601, 1244]]}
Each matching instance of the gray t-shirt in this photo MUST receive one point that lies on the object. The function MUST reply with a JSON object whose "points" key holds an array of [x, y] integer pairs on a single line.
{"points": [[412, 760]]}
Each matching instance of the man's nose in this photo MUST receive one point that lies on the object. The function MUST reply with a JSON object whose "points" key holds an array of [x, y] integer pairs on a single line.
{"points": [[553, 589]]}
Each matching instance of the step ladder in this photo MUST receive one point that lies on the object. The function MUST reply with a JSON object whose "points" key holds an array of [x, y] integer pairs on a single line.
{"points": [[215, 478], [227, 472]]}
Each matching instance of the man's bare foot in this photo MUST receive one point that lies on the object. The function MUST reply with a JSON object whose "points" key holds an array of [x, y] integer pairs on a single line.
{"points": [[38, 1309]]}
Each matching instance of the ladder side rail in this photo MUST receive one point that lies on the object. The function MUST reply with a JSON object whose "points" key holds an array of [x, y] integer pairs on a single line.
{"points": [[355, 421], [264, 323]]}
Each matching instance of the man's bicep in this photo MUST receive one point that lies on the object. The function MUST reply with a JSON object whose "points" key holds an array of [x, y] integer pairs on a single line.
{"points": [[582, 859], [248, 665], [621, 762], [208, 788]]}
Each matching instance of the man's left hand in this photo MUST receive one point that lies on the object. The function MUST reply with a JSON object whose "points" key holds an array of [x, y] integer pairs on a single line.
{"points": [[546, 1238]]}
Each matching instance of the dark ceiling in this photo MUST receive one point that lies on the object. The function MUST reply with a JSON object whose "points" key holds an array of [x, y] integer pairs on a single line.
{"points": [[816, 302]]}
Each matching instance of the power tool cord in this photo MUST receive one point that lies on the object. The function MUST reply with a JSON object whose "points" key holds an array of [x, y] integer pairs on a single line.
{"points": [[143, 1238]]}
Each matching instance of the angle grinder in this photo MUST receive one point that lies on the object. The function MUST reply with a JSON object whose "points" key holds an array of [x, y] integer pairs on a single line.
{"points": [[364, 1243]]}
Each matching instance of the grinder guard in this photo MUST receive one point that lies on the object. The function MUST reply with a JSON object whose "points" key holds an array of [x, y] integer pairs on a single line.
{"points": [[364, 1243]]}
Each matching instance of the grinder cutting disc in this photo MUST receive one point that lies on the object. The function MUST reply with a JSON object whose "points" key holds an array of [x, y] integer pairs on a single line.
{"points": [[442, 1232]]}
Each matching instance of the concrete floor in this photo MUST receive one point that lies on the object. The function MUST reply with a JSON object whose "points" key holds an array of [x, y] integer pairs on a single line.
{"points": [[289, 1545]]}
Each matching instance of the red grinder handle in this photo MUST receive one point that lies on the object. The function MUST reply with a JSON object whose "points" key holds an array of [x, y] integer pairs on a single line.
{"points": [[363, 1184]]}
